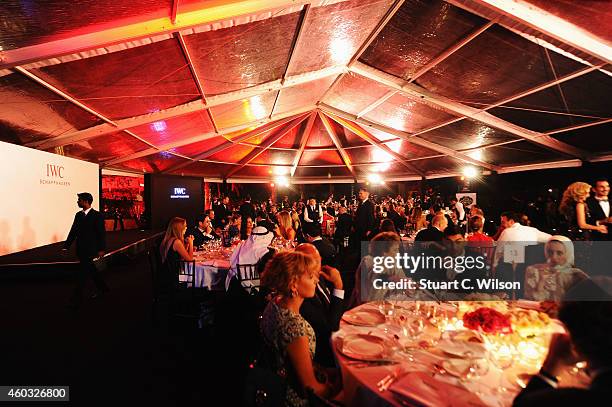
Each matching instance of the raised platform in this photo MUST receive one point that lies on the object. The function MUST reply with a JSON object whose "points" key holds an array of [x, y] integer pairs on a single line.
{"points": [[49, 259]]}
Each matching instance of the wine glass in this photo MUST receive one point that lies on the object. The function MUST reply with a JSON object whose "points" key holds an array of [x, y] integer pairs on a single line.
{"points": [[501, 355], [476, 367], [411, 329]]}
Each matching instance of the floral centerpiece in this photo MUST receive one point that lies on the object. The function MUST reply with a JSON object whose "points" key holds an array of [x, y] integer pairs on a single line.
{"points": [[487, 320]]}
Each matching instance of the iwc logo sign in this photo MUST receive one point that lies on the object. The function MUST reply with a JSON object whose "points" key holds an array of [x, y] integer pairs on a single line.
{"points": [[54, 175], [179, 193]]}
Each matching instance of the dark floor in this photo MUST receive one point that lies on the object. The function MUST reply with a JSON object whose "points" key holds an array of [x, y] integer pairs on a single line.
{"points": [[109, 352]]}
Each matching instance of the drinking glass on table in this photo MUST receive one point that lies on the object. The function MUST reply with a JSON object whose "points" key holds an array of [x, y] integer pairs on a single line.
{"points": [[387, 308], [411, 329], [501, 355], [476, 367]]}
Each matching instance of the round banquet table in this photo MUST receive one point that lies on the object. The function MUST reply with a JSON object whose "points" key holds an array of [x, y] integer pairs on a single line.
{"points": [[420, 381]]}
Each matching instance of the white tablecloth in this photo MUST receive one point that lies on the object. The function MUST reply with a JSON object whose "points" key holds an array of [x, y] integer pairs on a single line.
{"points": [[210, 273], [360, 383]]}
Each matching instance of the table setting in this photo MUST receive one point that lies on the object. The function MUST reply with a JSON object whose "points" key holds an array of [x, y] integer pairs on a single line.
{"points": [[211, 264], [427, 353]]}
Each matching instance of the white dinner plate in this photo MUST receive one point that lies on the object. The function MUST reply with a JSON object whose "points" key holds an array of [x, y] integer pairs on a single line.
{"points": [[364, 347], [459, 347], [364, 317]]}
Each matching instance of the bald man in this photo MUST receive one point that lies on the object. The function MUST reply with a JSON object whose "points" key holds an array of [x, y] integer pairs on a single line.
{"points": [[324, 310]]}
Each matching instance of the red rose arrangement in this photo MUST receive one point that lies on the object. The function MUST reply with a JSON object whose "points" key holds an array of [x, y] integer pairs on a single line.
{"points": [[487, 320]]}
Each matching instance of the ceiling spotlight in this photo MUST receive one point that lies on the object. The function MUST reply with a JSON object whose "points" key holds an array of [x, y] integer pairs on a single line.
{"points": [[470, 172], [375, 179], [282, 181]]}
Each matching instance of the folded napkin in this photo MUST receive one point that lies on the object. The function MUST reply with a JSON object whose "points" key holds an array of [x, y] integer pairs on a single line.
{"points": [[422, 389]]}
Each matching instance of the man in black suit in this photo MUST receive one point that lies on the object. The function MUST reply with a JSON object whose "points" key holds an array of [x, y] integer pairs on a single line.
{"points": [[364, 217], [312, 233], [434, 232], [599, 207], [324, 311], [589, 339], [88, 231], [223, 212]]}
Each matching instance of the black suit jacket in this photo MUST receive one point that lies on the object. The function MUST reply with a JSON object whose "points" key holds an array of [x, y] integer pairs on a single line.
{"points": [[364, 220], [343, 226], [431, 234], [595, 214], [88, 231], [539, 393], [327, 252], [247, 210], [324, 317], [221, 214]]}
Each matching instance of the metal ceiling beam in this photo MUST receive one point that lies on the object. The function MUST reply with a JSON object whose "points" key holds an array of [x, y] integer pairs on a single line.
{"points": [[451, 50], [579, 126], [184, 109], [81, 40], [303, 142], [195, 75], [268, 124], [415, 140], [358, 130], [541, 166], [330, 130], [174, 11], [296, 42], [377, 103], [424, 96], [438, 59], [546, 85], [257, 151], [547, 23], [379, 27], [74, 101]]}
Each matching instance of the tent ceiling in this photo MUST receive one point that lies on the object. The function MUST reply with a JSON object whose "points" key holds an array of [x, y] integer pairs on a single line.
{"points": [[327, 90]]}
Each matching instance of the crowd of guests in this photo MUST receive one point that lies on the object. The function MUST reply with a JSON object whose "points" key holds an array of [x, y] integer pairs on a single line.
{"points": [[305, 293]]}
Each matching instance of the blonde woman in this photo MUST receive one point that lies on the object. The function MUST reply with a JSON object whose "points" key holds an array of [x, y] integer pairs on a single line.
{"points": [[576, 212], [175, 246], [285, 227], [288, 337]]}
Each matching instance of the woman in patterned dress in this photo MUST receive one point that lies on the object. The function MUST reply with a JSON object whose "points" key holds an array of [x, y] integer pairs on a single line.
{"points": [[288, 338]]}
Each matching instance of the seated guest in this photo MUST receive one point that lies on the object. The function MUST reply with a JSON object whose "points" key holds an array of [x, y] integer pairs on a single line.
{"points": [[383, 244], [203, 232], [387, 225], [285, 228], [324, 310], [262, 220], [589, 339], [434, 233], [455, 246], [246, 230], [312, 233], [477, 238], [174, 247], [234, 227], [250, 251], [549, 281], [289, 340]]}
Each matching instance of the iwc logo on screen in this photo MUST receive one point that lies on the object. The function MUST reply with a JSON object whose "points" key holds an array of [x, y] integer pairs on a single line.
{"points": [[54, 175], [179, 193]]}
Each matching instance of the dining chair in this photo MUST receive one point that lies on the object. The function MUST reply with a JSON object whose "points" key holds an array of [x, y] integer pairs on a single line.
{"points": [[247, 273]]}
